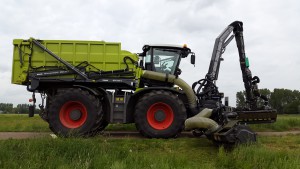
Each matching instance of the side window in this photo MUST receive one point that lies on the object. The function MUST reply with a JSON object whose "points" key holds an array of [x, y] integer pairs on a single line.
{"points": [[148, 57], [147, 60]]}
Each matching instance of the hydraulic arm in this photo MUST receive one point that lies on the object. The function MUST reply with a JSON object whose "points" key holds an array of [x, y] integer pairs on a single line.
{"points": [[208, 94], [250, 82], [230, 125]]}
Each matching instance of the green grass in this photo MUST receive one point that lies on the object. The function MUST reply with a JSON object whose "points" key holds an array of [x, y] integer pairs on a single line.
{"points": [[104, 152], [21, 122], [14, 122], [100, 152], [270, 152], [283, 123], [121, 127]]}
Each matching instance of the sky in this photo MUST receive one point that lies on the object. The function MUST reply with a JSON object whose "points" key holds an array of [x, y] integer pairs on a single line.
{"points": [[271, 33]]}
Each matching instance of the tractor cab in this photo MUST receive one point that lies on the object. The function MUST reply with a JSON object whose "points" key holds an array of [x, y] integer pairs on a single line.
{"points": [[164, 58]]}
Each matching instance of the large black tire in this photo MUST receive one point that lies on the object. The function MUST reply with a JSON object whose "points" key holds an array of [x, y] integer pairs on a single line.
{"points": [[101, 127], [75, 113], [160, 114]]}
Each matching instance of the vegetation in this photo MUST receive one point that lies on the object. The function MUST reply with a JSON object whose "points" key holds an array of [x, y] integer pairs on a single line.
{"points": [[7, 108], [285, 101], [106, 152], [100, 152], [270, 152], [283, 123], [21, 122]]}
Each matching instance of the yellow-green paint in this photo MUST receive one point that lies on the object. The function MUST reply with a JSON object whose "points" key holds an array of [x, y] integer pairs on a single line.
{"points": [[138, 75], [105, 56]]}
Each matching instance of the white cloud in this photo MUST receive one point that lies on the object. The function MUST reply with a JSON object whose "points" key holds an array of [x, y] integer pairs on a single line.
{"points": [[270, 29]]}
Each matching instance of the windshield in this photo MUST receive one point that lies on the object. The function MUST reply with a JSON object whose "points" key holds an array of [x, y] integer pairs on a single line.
{"points": [[164, 60]]}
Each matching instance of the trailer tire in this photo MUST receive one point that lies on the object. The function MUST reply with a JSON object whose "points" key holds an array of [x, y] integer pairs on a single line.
{"points": [[160, 114], [75, 113]]}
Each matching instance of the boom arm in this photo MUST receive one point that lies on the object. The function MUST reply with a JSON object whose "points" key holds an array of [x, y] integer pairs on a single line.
{"points": [[250, 82], [232, 122]]}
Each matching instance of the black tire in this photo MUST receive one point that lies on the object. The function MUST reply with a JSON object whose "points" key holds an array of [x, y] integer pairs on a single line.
{"points": [[160, 114], [106, 110], [75, 113], [101, 127]]}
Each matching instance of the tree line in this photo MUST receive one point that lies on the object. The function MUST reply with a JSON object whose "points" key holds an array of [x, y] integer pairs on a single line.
{"points": [[285, 101], [7, 108]]}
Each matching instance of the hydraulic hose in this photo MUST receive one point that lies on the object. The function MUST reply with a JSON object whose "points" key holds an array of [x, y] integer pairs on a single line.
{"points": [[202, 121], [175, 80]]}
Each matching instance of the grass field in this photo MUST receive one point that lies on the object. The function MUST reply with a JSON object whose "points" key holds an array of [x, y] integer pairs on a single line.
{"points": [[283, 123], [100, 152], [21, 122], [14, 122], [104, 152]]}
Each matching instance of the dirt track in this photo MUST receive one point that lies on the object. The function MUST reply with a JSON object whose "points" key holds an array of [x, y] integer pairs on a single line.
{"points": [[115, 134]]}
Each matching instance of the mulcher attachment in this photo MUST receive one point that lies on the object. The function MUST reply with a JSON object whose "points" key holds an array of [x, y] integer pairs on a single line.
{"points": [[236, 131], [257, 116], [233, 133]]}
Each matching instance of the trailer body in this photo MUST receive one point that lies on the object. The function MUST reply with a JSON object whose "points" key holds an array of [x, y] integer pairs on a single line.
{"points": [[98, 55]]}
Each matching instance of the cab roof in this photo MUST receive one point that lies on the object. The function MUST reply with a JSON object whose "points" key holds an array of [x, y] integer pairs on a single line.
{"points": [[166, 45]]}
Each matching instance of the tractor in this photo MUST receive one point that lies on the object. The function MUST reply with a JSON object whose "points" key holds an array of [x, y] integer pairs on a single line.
{"points": [[86, 85]]}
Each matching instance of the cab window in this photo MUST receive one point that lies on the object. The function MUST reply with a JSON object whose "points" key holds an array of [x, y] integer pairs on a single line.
{"points": [[165, 60]]}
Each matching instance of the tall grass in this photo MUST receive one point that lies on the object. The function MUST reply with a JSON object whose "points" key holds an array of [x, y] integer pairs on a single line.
{"points": [[100, 152], [271, 152], [258, 157], [103, 153]]}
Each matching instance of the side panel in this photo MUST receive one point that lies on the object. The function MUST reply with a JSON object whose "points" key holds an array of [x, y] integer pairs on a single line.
{"points": [[20, 61], [104, 56]]}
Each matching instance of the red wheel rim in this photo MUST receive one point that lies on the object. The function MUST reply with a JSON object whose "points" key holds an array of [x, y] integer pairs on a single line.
{"points": [[160, 116], [65, 114]]}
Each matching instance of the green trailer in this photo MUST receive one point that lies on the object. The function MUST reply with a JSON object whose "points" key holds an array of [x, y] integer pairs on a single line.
{"points": [[88, 56], [85, 85]]}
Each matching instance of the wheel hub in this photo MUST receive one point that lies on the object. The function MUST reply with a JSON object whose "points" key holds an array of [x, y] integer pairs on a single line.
{"points": [[160, 116], [75, 114]]}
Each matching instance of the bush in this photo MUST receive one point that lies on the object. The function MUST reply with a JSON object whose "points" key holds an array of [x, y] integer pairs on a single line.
{"points": [[292, 108]]}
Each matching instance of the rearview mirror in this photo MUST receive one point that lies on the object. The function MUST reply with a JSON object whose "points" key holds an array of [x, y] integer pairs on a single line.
{"points": [[193, 58]]}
